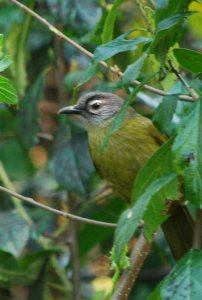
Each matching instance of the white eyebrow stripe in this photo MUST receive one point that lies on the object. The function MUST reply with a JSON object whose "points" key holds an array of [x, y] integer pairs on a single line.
{"points": [[96, 102]]}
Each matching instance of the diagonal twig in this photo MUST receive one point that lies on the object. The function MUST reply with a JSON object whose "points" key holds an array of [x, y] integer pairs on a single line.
{"points": [[139, 253], [56, 211], [90, 55], [183, 81]]}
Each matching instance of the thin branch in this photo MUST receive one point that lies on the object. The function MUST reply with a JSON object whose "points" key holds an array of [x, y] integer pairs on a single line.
{"points": [[90, 55], [197, 238], [139, 254], [183, 81], [56, 211]]}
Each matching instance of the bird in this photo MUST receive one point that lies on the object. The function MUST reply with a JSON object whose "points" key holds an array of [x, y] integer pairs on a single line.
{"points": [[127, 150]]}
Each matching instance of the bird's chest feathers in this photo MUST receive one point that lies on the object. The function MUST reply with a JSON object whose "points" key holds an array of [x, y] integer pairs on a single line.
{"points": [[121, 158]]}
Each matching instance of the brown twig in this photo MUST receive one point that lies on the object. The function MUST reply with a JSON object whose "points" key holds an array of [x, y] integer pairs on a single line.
{"points": [[90, 55], [183, 81], [197, 238], [56, 211], [139, 254]]}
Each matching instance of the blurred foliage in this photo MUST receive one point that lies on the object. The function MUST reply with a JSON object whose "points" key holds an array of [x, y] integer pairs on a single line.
{"points": [[47, 158]]}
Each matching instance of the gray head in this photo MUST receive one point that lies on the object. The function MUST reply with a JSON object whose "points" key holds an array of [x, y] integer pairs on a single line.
{"points": [[95, 107]]}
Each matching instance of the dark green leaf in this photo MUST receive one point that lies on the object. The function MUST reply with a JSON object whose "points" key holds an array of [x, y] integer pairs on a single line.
{"points": [[92, 235], [28, 119], [14, 232], [155, 182], [71, 163], [166, 9], [189, 59], [164, 113], [187, 150], [133, 70], [22, 271], [159, 165], [110, 21], [171, 21], [8, 93], [118, 45], [149, 207], [184, 280], [169, 15]]}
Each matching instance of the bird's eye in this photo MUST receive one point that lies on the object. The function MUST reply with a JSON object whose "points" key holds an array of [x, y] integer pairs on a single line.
{"points": [[95, 105]]}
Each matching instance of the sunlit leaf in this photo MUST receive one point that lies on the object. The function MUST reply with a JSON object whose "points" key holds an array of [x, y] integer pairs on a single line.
{"points": [[8, 93]]}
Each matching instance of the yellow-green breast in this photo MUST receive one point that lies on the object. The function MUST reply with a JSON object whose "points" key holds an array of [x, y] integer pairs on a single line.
{"points": [[126, 152]]}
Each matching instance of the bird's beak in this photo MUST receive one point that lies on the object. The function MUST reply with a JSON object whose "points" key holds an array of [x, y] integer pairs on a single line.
{"points": [[70, 110]]}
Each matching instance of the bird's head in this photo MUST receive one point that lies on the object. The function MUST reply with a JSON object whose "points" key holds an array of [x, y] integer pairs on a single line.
{"points": [[95, 108]]}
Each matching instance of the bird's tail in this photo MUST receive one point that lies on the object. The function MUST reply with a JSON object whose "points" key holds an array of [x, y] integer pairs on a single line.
{"points": [[178, 230]]}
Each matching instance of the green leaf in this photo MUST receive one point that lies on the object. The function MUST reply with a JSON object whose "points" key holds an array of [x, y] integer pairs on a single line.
{"points": [[8, 93], [28, 120], [166, 9], [159, 165], [103, 52], [187, 151], [189, 59], [133, 70], [118, 45], [4, 63], [164, 113], [171, 21], [184, 280], [155, 182], [110, 21], [22, 271], [16, 45], [149, 207], [71, 163], [169, 15], [14, 232]]}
